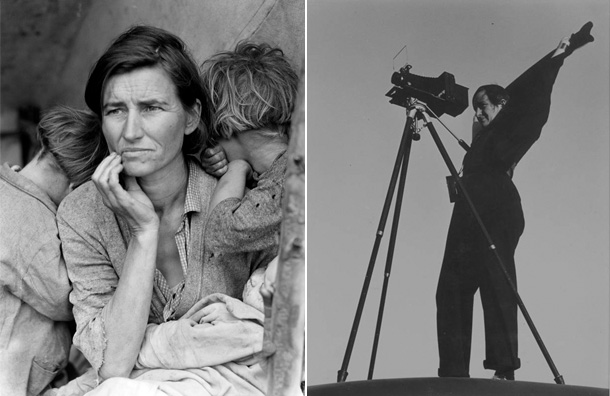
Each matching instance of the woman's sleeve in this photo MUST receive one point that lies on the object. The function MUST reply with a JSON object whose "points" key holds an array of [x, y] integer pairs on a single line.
{"points": [[531, 91], [93, 280], [249, 224], [520, 123]]}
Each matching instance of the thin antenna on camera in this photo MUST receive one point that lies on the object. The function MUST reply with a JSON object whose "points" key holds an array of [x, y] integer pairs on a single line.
{"points": [[395, 56]]}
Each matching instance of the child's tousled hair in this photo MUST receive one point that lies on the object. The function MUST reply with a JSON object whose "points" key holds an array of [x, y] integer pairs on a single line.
{"points": [[252, 87]]}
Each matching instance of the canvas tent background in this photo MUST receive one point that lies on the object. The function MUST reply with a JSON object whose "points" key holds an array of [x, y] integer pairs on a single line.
{"points": [[48, 47]]}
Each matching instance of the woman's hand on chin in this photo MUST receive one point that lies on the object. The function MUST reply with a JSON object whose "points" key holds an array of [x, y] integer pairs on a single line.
{"points": [[130, 202]]}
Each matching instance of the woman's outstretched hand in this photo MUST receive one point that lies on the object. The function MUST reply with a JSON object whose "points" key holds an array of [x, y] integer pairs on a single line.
{"points": [[561, 48], [576, 40], [130, 202]]}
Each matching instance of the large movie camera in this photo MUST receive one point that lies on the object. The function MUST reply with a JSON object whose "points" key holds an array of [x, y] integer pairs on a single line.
{"points": [[441, 94]]}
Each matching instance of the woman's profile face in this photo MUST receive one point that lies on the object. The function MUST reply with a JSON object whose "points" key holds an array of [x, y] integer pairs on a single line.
{"points": [[485, 111], [144, 121]]}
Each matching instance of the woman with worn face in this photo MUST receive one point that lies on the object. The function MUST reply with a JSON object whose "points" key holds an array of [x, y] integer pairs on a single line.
{"points": [[134, 238], [144, 124], [144, 121], [506, 124]]}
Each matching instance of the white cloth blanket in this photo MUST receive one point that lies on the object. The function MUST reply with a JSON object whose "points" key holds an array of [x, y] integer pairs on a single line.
{"points": [[186, 357]]}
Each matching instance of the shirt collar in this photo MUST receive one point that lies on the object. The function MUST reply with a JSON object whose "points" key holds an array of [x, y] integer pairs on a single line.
{"points": [[192, 202]]}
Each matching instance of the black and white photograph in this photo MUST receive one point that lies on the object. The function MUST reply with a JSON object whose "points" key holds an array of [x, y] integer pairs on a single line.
{"points": [[152, 194], [427, 309], [304, 197]]}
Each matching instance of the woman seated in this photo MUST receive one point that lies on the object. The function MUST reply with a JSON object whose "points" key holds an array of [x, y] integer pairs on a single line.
{"points": [[135, 239]]}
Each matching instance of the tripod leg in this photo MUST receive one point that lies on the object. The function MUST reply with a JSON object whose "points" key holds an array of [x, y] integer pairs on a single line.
{"points": [[342, 373], [392, 244], [528, 319]]}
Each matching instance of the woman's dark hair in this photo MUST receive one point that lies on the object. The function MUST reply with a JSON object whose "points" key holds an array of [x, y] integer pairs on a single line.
{"points": [[495, 93], [147, 46]]}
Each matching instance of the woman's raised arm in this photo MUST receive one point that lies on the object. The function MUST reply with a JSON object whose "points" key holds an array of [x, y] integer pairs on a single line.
{"points": [[126, 314]]}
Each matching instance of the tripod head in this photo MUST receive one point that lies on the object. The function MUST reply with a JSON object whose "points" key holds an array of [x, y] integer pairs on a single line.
{"points": [[416, 110]]}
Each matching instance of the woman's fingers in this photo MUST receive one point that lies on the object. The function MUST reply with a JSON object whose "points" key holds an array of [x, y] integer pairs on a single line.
{"points": [[115, 188], [130, 202], [109, 168], [102, 167], [101, 175]]}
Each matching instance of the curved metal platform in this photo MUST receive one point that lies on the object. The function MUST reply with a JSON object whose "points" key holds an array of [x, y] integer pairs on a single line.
{"points": [[450, 386]]}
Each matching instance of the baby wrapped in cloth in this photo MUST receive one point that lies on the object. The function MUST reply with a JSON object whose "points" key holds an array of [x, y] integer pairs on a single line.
{"points": [[212, 350]]}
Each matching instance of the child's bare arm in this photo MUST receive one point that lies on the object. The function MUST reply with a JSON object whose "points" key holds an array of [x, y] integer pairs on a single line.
{"points": [[233, 183]]}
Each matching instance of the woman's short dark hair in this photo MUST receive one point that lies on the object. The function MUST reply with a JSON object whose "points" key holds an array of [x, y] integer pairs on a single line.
{"points": [[495, 93], [147, 46]]}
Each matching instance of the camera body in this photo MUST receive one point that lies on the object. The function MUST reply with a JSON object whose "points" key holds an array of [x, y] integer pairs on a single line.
{"points": [[441, 94]]}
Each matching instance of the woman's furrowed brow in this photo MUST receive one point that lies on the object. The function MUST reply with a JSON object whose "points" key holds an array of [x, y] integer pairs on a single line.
{"points": [[143, 102], [112, 104], [152, 101]]}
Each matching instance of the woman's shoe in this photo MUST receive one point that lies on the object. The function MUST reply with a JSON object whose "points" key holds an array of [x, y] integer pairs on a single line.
{"points": [[504, 375]]}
